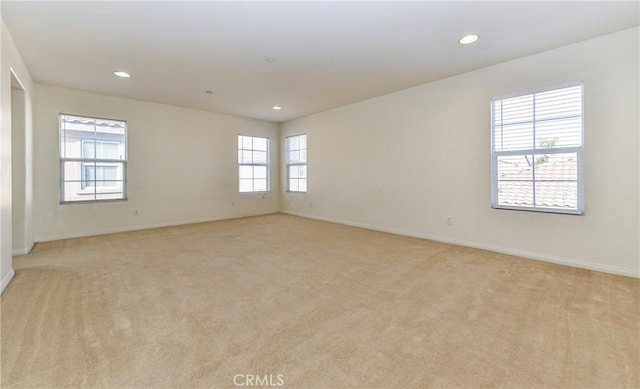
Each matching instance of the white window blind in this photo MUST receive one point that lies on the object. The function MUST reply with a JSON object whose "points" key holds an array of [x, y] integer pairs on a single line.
{"points": [[297, 163], [537, 143]]}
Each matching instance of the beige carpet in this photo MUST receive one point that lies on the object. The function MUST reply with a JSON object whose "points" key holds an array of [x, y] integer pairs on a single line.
{"points": [[326, 306]]}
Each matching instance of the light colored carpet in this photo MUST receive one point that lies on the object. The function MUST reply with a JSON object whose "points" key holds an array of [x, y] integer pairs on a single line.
{"points": [[325, 305]]}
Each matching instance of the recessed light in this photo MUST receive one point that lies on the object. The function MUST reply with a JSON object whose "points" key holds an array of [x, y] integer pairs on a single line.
{"points": [[270, 59], [122, 74], [468, 39], [277, 107]]}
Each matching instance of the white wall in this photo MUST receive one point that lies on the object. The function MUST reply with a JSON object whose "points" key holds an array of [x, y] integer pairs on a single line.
{"points": [[403, 162], [10, 61], [182, 166], [21, 185], [18, 171]]}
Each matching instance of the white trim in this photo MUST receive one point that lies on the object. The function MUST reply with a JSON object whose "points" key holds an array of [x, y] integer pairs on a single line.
{"points": [[540, 209], [22, 251], [6, 280], [485, 246], [51, 238]]}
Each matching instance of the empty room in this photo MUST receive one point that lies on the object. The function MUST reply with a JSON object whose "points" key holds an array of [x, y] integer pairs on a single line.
{"points": [[367, 194]]}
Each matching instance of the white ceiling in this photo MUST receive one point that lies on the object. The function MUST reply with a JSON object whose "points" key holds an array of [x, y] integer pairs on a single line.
{"points": [[328, 54]]}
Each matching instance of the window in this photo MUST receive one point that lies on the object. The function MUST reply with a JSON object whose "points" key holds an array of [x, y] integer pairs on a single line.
{"points": [[537, 146], [93, 159], [297, 163], [253, 164], [99, 174]]}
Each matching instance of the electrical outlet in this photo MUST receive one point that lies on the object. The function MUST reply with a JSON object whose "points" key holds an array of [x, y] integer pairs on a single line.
{"points": [[135, 212], [450, 220]]}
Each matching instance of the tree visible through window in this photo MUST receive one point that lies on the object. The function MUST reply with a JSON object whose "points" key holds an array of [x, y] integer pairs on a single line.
{"points": [[93, 159], [537, 151]]}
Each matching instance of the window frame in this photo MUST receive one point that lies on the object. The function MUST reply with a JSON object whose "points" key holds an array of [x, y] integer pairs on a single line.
{"points": [[578, 150], [288, 163], [267, 164], [92, 161]]}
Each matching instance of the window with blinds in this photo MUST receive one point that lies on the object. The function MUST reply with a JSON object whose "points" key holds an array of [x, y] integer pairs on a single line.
{"points": [[536, 147]]}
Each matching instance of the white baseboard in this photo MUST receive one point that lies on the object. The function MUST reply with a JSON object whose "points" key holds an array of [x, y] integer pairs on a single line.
{"points": [[6, 280], [106, 231], [484, 246], [22, 251]]}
